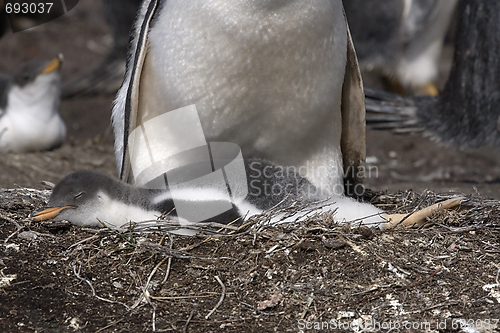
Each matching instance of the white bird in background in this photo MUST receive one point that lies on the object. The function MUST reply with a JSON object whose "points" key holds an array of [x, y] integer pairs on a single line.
{"points": [[29, 102]]}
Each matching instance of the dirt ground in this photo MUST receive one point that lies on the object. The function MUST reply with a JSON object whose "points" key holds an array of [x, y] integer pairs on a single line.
{"points": [[55, 277]]}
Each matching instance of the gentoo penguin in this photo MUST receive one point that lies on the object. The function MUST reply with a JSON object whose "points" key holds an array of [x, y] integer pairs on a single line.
{"points": [[467, 114], [278, 78], [92, 198], [401, 39], [29, 102], [95, 199]]}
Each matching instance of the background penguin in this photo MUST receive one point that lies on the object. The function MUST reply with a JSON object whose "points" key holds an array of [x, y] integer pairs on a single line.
{"points": [[29, 102], [401, 39], [108, 76], [467, 113]]}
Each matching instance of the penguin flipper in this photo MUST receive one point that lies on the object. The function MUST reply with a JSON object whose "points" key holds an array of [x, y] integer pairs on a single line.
{"points": [[353, 142], [126, 103]]}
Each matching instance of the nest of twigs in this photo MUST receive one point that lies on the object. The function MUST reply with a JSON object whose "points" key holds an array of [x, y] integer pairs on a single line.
{"points": [[286, 277]]}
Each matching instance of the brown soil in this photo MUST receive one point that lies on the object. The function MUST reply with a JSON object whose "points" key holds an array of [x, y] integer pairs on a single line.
{"points": [[56, 277], [59, 278]]}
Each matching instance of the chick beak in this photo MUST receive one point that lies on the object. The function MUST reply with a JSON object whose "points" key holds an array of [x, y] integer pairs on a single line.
{"points": [[55, 64], [47, 213]]}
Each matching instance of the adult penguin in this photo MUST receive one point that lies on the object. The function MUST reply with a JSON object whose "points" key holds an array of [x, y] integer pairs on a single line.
{"points": [[467, 113], [278, 78], [29, 103]]}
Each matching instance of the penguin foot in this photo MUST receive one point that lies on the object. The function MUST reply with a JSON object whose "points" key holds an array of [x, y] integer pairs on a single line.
{"points": [[428, 89], [397, 87], [418, 218]]}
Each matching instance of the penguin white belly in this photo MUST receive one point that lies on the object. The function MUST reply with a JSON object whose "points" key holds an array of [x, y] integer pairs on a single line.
{"points": [[107, 211], [266, 75], [27, 133], [30, 126]]}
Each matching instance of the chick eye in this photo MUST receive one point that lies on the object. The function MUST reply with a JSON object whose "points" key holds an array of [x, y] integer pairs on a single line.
{"points": [[79, 195]]}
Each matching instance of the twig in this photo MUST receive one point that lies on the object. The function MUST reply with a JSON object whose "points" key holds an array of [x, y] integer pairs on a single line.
{"points": [[170, 298], [193, 246], [436, 306], [221, 297], [77, 274], [170, 225], [97, 231], [108, 326], [385, 292], [18, 226], [169, 263], [155, 248], [420, 282], [153, 272], [185, 329], [146, 296], [154, 315], [145, 293], [41, 234], [83, 241], [8, 219], [12, 235]]}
